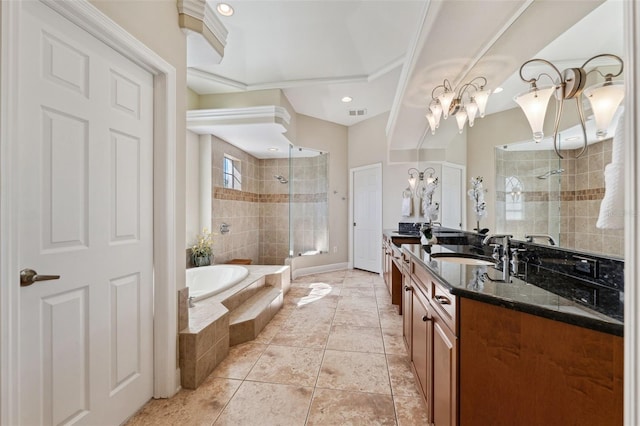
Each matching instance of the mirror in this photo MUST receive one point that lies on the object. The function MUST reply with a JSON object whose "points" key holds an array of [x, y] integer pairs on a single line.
{"points": [[539, 193]]}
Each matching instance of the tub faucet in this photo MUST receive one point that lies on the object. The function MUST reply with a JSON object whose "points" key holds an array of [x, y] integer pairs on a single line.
{"points": [[503, 260], [191, 303]]}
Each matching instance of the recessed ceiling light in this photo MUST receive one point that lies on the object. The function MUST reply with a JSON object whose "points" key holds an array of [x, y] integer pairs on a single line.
{"points": [[347, 99], [572, 138], [498, 90], [224, 9], [272, 149]]}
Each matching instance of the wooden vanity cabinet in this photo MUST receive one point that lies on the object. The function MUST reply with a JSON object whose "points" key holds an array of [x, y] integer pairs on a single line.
{"points": [[434, 345], [407, 301]]}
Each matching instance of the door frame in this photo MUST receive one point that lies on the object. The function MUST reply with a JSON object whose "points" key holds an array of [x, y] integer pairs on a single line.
{"points": [[352, 171], [90, 19]]}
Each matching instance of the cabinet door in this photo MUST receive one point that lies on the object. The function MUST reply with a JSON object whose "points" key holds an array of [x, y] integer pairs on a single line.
{"points": [[407, 295], [421, 345], [445, 380]]}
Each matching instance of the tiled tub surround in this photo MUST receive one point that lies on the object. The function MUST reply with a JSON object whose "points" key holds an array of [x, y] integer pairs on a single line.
{"points": [[565, 205], [550, 288], [234, 316], [259, 214]]}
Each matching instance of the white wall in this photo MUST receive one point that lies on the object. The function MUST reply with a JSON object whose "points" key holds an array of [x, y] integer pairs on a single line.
{"points": [[368, 145]]}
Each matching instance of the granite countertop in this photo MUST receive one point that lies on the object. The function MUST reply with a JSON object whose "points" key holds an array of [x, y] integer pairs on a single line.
{"points": [[474, 282]]}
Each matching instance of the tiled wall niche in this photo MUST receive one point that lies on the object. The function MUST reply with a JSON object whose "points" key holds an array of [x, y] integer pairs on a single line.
{"points": [[259, 214], [565, 205]]}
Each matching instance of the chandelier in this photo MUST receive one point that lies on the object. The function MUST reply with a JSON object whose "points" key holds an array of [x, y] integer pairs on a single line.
{"points": [[465, 102], [603, 97]]}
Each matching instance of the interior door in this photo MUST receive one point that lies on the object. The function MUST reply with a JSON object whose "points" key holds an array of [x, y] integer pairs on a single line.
{"points": [[367, 218], [85, 149]]}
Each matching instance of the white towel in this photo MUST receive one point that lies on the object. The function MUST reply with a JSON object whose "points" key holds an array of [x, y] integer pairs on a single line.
{"points": [[612, 206], [406, 206]]}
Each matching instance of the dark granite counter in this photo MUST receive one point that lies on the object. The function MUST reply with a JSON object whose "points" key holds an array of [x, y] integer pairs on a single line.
{"points": [[475, 282]]}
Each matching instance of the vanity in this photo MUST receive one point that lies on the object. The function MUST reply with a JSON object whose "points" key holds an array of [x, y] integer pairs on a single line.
{"points": [[487, 352]]}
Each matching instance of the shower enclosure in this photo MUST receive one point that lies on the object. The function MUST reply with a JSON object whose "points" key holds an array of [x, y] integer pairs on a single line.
{"points": [[308, 207]]}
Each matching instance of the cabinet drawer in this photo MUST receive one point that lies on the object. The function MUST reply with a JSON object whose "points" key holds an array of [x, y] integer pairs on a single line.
{"points": [[421, 278], [445, 304]]}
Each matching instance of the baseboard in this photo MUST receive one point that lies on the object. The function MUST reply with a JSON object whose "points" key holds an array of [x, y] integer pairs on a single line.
{"points": [[300, 272]]}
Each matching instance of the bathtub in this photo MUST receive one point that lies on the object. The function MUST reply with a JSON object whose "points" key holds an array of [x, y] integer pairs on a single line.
{"points": [[207, 281]]}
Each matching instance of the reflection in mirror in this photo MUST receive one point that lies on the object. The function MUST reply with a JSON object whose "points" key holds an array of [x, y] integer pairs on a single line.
{"points": [[309, 212], [538, 193]]}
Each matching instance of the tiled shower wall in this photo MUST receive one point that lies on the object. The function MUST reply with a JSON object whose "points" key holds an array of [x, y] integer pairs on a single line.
{"points": [[258, 215], [239, 209], [309, 206], [567, 206]]}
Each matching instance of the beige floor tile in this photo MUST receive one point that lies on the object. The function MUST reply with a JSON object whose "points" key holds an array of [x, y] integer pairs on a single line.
{"points": [[334, 407], [358, 292], [410, 410], [360, 317], [354, 371], [287, 365], [189, 407], [349, 303], [262, 404], [365, 283], [302, 338], [356, 339], [388, 320], [403, 382], [240, 360], [393, 341]]}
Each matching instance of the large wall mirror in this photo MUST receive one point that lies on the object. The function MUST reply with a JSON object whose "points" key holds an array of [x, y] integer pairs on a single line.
{"points": [[539, 193]]}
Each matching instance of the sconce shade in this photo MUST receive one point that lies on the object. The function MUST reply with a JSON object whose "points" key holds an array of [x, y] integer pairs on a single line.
{"points": [[534, 104], [604, 99], [461, 118], [472, 110], [481, 98], [436, 109], [445, 99], [432, 122], [412, 181]]}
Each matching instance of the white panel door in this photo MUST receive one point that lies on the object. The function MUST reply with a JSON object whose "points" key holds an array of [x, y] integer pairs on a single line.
{"points": [[367, 218], [86, 148]]}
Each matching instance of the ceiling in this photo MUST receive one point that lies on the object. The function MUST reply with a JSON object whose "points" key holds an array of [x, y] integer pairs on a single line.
{"points": [[389, 54]]}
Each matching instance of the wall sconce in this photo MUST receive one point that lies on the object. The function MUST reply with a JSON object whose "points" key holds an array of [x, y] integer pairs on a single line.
{"points": [[604, 98], [421, 184], [465, 102]]}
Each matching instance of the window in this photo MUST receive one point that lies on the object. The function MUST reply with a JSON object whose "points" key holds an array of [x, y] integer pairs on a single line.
{"points": [[231, 173], [514, 198]]}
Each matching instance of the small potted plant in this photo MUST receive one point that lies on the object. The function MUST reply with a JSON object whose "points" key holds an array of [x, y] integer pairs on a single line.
{"points": [[201, 251]]}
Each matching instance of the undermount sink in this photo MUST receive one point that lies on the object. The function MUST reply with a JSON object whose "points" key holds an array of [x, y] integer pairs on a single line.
{"points": [[462, 259]]}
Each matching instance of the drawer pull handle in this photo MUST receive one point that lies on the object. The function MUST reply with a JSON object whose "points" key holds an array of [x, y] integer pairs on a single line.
{"points": [[426, 318], [443, 300]]}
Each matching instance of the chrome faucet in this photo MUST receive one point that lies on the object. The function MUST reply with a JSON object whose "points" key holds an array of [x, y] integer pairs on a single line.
{"points": [[529, 238], [503, 260]]}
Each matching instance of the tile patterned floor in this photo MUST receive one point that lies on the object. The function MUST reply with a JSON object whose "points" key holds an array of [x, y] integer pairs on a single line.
{"points": [[333, 355]]}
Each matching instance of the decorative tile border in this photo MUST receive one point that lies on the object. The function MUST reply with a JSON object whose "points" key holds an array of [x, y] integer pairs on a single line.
{"points": [[580, 195], [235, 195]]}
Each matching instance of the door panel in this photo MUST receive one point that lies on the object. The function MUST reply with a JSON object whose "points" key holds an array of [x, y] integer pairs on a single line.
{"points": [[86, 150], [367, 214]]}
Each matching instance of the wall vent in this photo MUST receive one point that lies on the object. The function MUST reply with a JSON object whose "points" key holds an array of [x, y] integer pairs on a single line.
{"points": [[357, 112]]}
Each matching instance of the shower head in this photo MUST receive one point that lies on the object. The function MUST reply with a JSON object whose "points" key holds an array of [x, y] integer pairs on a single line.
{"points": [[550, 173], [281, 178]]}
